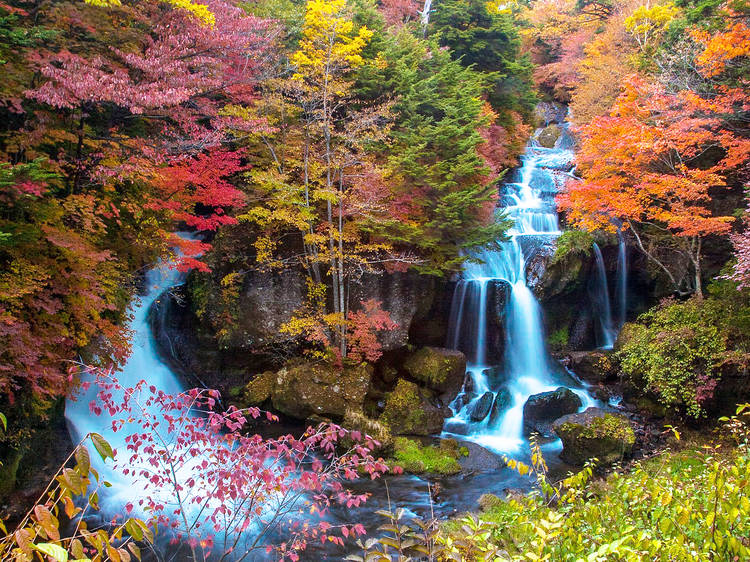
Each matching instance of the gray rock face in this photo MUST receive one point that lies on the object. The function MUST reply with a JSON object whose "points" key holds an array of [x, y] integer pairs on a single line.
{"points": [[536, 264], [542, 409], [481, 408], [268, 299], [403, 295], [498, 295], [594, 433], [550, 112]]}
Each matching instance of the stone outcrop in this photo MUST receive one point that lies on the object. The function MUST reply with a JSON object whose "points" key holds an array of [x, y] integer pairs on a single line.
{"points": [[481, 408], [542, 409], [594, 433], [592, 366], [548, 136]]}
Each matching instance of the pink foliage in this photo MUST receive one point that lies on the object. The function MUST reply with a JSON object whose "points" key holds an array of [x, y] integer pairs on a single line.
{"points": [[215, 487], [399, 12], [365, 325]]}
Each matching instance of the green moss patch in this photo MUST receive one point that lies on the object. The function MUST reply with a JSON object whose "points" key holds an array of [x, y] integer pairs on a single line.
{"points": [[418, 459]]}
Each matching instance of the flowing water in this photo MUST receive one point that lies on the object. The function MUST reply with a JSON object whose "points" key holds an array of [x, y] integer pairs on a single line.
{"points": [[606, 329], [525, 368]]}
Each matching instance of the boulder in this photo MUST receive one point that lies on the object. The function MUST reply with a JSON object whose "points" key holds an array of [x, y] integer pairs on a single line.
{"points": [[536, 265], [481, 408], [301, 389], [594, 433], [592, 366], [503, 401], [548, 136], [440, 369], [413, 410], [542, 409]]}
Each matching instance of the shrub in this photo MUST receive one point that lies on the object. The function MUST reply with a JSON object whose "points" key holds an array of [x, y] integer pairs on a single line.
{"points": [[674, 352]]}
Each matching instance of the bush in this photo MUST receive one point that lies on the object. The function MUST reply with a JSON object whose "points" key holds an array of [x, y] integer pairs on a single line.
{"points": [[690, 505], [570, 242], [674, 352]]}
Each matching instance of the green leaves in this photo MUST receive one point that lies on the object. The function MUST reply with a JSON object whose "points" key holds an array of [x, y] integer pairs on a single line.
{"points": [[54, 551], [102, 447]]}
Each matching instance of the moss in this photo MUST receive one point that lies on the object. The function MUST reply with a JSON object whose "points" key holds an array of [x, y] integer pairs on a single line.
{"points": [[259, 389], [559, 338], [571, 242], [606, 427], [415, 458], [435, 366], [607, 438], [403, 408], [488, 502]]}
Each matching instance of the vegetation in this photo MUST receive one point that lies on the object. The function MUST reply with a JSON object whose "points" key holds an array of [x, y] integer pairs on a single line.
{"points": [[685, 505], [679, 351], [417, 459]]}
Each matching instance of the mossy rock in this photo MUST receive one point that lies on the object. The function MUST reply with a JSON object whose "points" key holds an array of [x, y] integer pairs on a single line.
{"points": [[258, 390], [417, 459], [354, 420], [304, 388], [595, 433], [410, 410], [440, 369]]}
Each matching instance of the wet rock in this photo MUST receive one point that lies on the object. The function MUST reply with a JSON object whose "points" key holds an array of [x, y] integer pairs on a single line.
{"points": [[550, 112], [413, 410], [303, 388], [503, 401], [482, 407], [548, 136], [536, 264], [498, 295], [440, 369], [594, 433], [592, 366], [542, 409], [495, 375]]}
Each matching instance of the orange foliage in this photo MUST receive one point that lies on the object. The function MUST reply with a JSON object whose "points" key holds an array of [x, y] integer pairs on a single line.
{"points": [[640, 164]]}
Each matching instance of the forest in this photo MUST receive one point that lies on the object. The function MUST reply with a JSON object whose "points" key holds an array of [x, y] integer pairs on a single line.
{"points": [[374, 280]]}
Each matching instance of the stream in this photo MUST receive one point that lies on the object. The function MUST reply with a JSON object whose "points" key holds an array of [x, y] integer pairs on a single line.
{"points": [[525, 367]]}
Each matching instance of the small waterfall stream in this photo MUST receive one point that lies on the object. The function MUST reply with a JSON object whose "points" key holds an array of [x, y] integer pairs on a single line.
{"points": [[489, 410], [606, 330]]}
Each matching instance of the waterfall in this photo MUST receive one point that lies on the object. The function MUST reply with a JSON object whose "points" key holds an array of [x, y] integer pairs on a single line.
{"points": [[607, 332], [527, 369], [143, 363], [622, 281]]}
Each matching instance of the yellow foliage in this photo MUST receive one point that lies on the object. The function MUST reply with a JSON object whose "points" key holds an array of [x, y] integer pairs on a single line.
{"points": [[329, 40], [646, 23], [200, 11]]}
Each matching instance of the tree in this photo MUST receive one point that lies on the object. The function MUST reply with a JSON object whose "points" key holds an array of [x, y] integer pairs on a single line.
{"points": [[651, 164], [443, 193], [486, 39]]}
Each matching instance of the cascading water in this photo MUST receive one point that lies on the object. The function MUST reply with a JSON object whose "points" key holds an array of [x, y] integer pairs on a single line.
{"points": [[489, 410], [143, 363]]}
